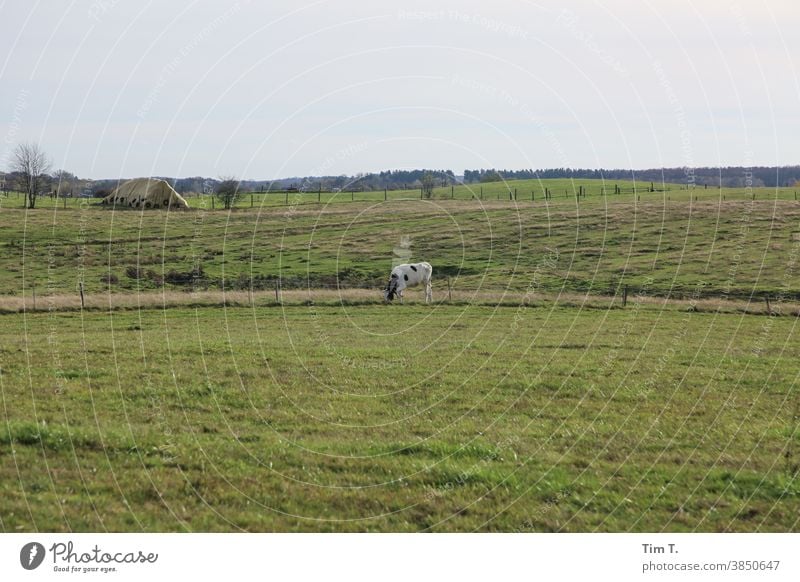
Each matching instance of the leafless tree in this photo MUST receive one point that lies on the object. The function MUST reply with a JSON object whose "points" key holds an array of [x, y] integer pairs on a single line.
{"points": [[227, 191], [32, 165], [65, 183], [428, 184]]}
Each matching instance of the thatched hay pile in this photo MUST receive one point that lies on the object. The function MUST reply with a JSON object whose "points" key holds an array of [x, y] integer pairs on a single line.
{"points": [[146, 193]]}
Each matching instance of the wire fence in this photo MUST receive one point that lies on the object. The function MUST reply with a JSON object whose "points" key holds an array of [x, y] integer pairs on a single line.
{"points": [[544, 193]]}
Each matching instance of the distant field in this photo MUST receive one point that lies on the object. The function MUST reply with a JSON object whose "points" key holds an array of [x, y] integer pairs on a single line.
{"points": [[667, 241], [441, 418]]}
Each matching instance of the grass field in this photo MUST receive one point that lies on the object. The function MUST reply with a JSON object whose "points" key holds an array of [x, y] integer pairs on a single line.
{"points": [[443, 418], [186, 397]]}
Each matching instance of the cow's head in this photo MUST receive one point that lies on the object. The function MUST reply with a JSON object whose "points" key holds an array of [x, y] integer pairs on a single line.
{"points": [[391, 289]]}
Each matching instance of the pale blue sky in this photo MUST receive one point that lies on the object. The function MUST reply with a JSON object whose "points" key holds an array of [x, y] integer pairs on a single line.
{"points": [[116, 88]]}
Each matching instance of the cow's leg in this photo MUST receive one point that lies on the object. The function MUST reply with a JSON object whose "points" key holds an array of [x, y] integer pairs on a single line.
{"points": [[428, 293], [400, 295]]}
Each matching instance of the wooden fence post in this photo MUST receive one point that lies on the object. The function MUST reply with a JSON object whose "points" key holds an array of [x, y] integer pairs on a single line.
{"points": [[766, 298], [80, 288], [449, 295], [251, 200], [624, 295], [384, 194], [277, 291], [34, 294]]}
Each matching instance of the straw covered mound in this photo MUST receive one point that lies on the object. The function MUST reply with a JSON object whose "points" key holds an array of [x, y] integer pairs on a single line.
{"points": [[146, 193]]}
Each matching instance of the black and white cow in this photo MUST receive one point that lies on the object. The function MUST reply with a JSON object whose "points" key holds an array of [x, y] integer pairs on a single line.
{"points": [[409, 275]]}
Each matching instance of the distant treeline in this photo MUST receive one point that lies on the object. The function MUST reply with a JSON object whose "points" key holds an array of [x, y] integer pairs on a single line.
{"points": [[387, 180]]}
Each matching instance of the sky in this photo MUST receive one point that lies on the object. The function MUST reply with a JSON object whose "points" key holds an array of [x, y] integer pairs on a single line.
{"points": [[260, 90]]}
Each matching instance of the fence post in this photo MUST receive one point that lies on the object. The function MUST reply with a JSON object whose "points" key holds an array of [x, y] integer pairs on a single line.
{"points": [[80, 288], [384, 194], [481, 192], [251, 200], [766, 298], [277, 291], [287, 198], [34, 294], [212, 203], [452, 192], [624, 295], [449, 295]]}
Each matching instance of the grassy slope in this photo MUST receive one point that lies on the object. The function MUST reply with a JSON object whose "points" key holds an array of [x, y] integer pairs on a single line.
{"points": [[449, 418], [664, 239]]}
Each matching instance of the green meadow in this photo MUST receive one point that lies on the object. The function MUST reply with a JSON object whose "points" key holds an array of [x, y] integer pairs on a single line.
{"points": [[374, 418]]}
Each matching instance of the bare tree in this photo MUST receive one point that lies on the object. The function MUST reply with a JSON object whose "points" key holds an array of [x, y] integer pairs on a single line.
{"points": [[428, 184], [65, 183], [227, 191], [32, 165]]}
